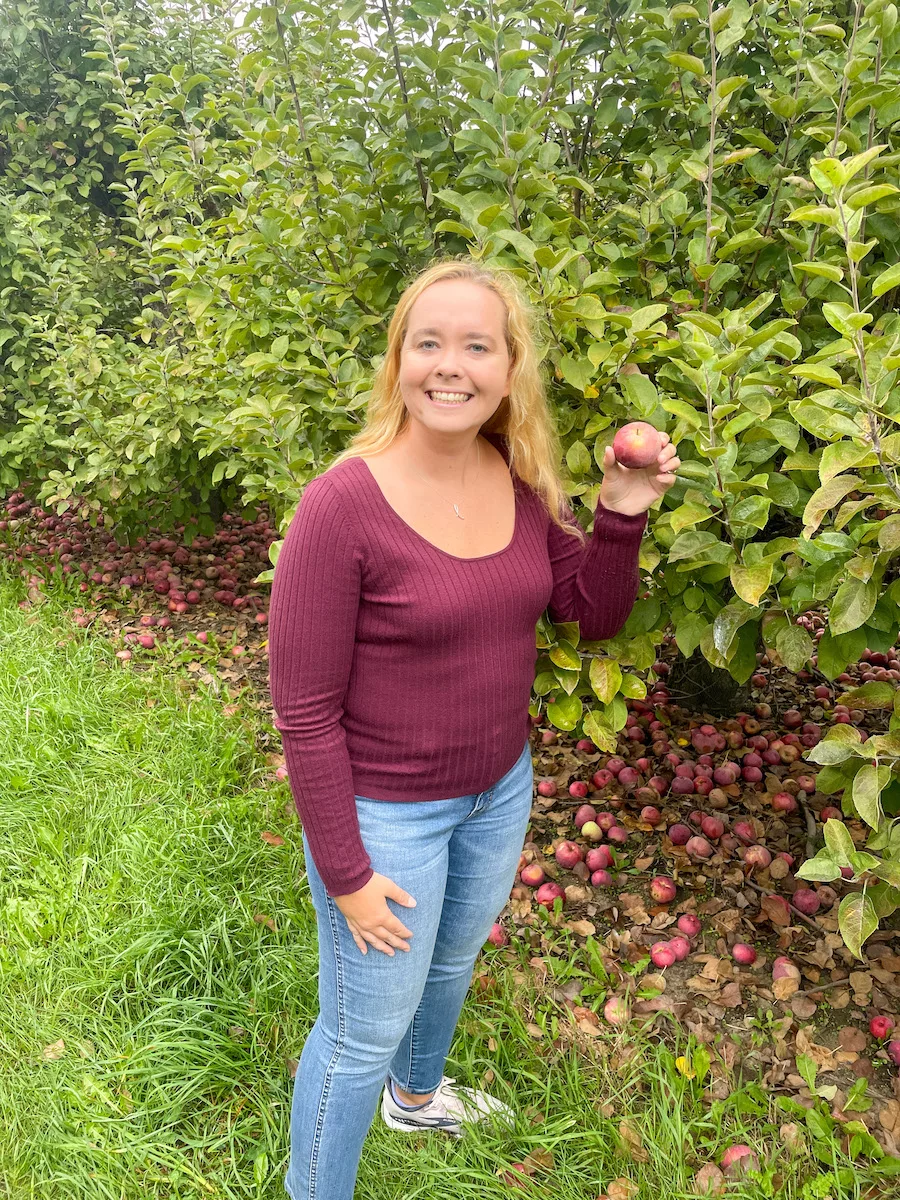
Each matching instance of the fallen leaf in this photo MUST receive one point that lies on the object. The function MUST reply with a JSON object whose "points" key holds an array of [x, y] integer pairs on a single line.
{"points": [[775, 910], [655, 980], [53, 1051], [583, 928], [632, 1139], [273, 839], [783, 989], [889, 1117], [262, 919], [851, 1038], [622, 1189], [709, 1181], [539, 1158], [802, 1007]]}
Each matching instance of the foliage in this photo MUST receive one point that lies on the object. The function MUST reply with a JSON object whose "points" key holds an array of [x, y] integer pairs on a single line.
{"points": [[867, 773], [701, 201]]}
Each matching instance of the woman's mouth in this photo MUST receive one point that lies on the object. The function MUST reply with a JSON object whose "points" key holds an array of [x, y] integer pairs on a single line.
{"points": [[448, 399]]}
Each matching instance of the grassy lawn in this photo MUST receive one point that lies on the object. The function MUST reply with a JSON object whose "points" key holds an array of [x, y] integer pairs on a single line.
{"points": [[158, 976]]}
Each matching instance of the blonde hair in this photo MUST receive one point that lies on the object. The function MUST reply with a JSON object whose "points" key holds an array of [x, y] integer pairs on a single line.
{"points": [[523, 417]]}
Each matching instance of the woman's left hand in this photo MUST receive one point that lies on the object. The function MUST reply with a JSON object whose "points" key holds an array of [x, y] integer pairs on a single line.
{"points": [[631, 490]]}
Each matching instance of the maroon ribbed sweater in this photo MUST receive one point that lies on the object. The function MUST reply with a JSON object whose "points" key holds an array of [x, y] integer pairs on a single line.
{"points": [[399, 671]]}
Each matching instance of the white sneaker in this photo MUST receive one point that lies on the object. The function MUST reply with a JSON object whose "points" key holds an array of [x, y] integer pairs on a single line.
{"points": [[447, 1110]]}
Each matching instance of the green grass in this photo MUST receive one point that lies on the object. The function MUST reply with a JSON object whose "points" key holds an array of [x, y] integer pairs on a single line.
{"points": [[131, 869]]}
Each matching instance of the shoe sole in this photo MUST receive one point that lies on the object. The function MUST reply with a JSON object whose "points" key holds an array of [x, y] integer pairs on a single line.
{"points": [[411, 1125]]}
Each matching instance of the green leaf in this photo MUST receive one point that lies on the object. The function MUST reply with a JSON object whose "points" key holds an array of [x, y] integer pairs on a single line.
{"points": [[683, 409], [566, 712], [871, 195], [643, 318], [825, 270], [885, 899], [843, 318], [633, 687], [888, 871], [889, 534], [821, 422], [853, 604], [836, 746], [688, 632], [818, 373], [686, 62], [807, 1069], [886, 280], [820, 213], [852, 166], [839, 842], [824, 499], [578, 458], [198, 300], [564, 655], [689, 513], [577, 371], [751, 583], [857, 921], [873, 694], [605, 676], [842, 456], [640, 393], [821, 869], [868, 785], [795, 647], [600, 732], [835, 653]]}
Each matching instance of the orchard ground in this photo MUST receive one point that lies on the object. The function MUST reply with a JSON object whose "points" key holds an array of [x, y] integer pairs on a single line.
{"points": [[158, 954]]}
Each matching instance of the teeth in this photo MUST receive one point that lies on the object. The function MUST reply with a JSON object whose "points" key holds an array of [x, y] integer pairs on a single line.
{"points": [[449, 397]]}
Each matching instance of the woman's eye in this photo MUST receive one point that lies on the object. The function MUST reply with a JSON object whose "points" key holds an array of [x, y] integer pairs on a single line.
{"points": [[431, 343]]}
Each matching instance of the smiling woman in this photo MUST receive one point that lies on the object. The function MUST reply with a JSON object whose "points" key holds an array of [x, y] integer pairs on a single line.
{"points": [[401, 662]]}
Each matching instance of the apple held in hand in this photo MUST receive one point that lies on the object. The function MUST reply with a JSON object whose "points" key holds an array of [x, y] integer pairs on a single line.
{"points": [[637, 445]]}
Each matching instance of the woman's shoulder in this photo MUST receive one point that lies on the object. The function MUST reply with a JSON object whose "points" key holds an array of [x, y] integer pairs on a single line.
{"points": [[333, 491]]}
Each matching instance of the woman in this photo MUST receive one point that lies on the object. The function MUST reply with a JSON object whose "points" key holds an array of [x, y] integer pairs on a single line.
{"points": [[402, 654]]}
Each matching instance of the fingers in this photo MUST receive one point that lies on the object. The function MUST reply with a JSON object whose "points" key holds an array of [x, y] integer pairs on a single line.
{"points": [[382, 938]]}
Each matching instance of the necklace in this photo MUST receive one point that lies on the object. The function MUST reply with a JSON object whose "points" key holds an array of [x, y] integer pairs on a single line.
{"points": [[444, 498]]}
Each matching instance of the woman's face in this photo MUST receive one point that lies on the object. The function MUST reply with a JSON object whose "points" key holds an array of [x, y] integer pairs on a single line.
{"points": [[455, 343]]}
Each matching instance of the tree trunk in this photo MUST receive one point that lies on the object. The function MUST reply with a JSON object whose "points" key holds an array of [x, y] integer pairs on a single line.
{"points": [[699, 687]]}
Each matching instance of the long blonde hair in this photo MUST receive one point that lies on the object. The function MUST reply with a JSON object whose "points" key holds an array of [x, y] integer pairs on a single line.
{"points": [[523, 417]]}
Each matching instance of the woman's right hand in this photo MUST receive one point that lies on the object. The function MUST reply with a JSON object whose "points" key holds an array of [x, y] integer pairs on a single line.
{"points": [[369, 918]]}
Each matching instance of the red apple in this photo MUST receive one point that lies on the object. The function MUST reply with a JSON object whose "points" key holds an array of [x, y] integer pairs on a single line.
{"points": [[567, 854], [662, 955], [689, 924], [880, 1027], [807, 901], [662, 889], [637, 445], [584, 814], [548, 893]]}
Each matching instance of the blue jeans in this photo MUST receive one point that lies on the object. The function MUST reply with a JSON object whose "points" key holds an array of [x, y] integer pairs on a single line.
{"points": [[383, 1014]]}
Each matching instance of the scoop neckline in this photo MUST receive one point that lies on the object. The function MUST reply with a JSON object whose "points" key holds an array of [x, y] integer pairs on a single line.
{"points": [[440, 549]]}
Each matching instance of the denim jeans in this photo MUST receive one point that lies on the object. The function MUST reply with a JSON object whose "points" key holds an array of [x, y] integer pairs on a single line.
{"points": [[383, 1014]]}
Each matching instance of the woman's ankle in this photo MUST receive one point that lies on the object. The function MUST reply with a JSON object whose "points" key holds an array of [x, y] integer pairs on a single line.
{"points": [[407, 1098]]}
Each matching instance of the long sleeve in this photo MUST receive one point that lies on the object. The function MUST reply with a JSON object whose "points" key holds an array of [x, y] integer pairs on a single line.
{"points": [[596, 584], [312, 631]]}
